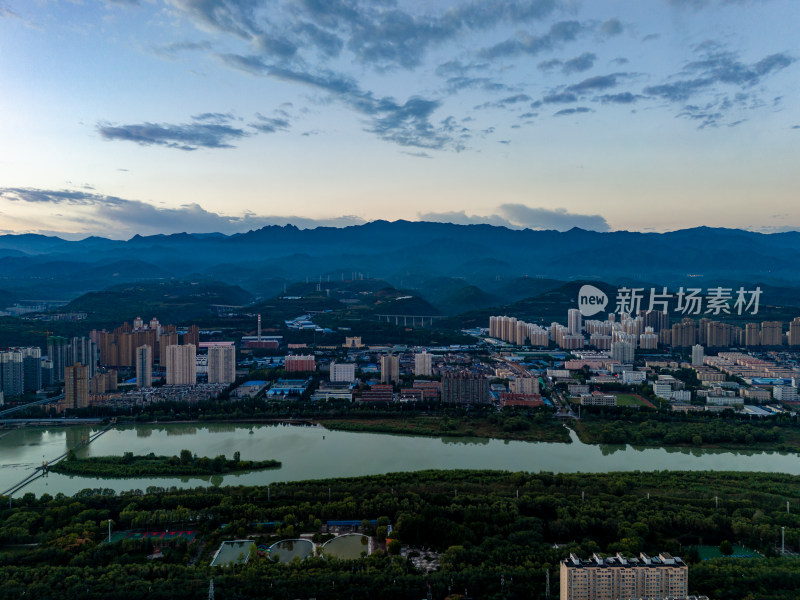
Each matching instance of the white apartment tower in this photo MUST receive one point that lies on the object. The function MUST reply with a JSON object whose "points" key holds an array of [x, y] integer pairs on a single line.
{"points": [[181, 363], [343, 372], [698, 354], [422, 364]]}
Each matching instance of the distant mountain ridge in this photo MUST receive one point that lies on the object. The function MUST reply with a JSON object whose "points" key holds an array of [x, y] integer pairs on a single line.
{"points": [[489, 257]]}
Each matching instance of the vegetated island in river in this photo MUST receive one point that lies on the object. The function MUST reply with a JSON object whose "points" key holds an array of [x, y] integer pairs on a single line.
{"points": [[130, 465]]}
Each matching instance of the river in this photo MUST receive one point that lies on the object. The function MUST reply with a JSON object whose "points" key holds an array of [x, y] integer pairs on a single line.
{"points": [[317, 453]]}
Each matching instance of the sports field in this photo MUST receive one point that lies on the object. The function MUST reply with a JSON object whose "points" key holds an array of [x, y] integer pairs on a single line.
{"points": [[708, 552]]}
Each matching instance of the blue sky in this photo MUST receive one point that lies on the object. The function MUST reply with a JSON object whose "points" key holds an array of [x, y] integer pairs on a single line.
{"points": [[150, 116]]}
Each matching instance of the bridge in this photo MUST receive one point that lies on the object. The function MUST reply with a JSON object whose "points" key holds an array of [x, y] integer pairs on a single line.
{"points": [[11, 411], [412, 320]]}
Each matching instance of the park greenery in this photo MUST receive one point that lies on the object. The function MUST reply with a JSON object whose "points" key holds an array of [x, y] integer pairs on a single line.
{"points": [[484, 527], [130, 465]]}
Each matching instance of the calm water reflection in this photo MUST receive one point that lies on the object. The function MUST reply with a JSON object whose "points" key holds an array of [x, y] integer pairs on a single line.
{"points": [[314, 453]]}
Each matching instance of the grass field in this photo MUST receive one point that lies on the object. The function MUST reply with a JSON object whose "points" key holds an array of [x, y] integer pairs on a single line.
{"points": [[709, 552], [632, 400]]}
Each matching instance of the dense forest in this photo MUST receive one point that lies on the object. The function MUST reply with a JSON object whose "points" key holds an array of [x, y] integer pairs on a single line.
{"points": [[129, 465], [495, 534]]}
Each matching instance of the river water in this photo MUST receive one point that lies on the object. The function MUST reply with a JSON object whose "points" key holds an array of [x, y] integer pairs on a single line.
{"points": [[317, 453]]}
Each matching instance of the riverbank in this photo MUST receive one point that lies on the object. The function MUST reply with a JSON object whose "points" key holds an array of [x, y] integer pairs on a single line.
{"points": [[129, 465], [710, 435], [432, 426]]}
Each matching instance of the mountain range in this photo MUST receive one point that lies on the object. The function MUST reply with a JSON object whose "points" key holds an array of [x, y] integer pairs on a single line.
{"points": [[454, 267]]}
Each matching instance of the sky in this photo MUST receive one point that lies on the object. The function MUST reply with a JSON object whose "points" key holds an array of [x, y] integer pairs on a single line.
{"points": [[123, 117]]}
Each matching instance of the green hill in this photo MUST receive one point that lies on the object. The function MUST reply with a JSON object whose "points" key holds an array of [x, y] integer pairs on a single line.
{"points": [[170, 301]]}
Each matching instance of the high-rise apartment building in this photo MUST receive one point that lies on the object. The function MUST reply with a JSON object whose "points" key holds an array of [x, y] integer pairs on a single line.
{"points": [[192, 336], [31, 369], [622, 351], [465, 388], [698, 355], [794, 332], [343, 372], [390, 369], [12, 373], [752, 335], [422, 364], [222, 364], [144, 366], [574, 321], [181, 362], [771, 333], [617, 577], [684, 333], [76, 387]]}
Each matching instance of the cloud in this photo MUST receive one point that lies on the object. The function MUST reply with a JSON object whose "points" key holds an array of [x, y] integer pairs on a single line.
{"points": [[507, 102], [97, 213], [559, 219], [560, 98], [189, 136], [622, 98], [600, 82], [207, 130], [572, 111], [581, 63], [456, 84], [407, 124], [462, 218], [175, 48], [704, 81], [521, 216], [90, 212], [269, 124], [563, 31], [611, 27], [718, 67], [380, 34]]}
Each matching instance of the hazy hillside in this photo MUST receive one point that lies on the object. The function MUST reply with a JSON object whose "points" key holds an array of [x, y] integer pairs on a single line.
{"points": [[508, 264]]}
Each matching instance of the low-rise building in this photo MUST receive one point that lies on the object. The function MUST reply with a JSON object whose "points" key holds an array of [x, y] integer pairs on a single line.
{"points": [[598, 399], [617, 577]]}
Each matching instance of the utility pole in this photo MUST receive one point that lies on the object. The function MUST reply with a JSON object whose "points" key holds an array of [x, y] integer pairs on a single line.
{"points": [[547, 584], [783, 546], [109, 531]]}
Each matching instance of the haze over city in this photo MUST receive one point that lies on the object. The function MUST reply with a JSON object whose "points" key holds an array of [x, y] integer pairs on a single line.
{"points": [[145, 116]]}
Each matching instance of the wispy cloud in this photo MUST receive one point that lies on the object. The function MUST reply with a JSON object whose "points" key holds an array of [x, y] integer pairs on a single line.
{"points": [[406, 123], [572, 111], [521, 216], [187, 136], [207, 130], [94, 213]]}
